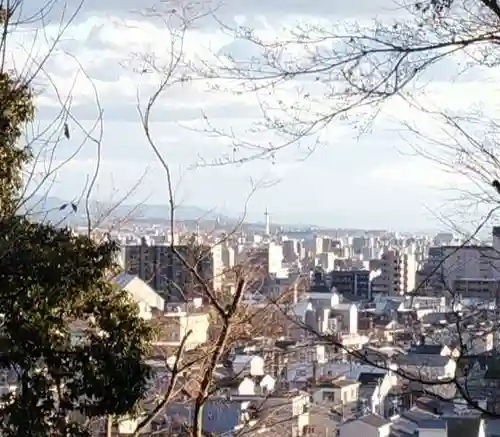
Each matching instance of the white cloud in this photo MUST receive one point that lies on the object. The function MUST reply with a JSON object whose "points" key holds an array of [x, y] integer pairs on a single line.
{"points": [[101, 44]]}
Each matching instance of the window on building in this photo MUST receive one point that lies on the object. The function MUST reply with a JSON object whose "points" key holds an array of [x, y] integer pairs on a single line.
{"points": [[328, 396]]}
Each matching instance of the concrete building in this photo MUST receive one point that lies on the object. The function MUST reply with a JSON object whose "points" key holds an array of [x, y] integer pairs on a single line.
{"points": [[218, 268], [267, 259], [175, 323], [397, 273], [325, 260], [164, 271], [496, 248], [228, 257], [469, 269], [467, 262], [484, 289], [290, 252], [352, 282]]}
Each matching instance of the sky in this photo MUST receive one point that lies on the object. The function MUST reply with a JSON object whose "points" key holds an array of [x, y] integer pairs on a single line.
{"points": [[370, 181]]}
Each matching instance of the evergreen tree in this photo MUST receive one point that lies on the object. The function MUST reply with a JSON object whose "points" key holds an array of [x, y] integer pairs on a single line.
{"points": [[51, 279]]}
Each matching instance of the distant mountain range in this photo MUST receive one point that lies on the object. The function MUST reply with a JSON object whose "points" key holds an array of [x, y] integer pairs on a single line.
{"points": [[55, 209], [60, 211]]}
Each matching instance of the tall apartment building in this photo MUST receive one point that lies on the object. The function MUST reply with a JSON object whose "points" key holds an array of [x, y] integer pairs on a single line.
{"points": [[325, 260], [397, 273], [323, 244], [218, 266], [469, 270], [352, 282], [358, 244], [496, 250], [290, 250], [268, 259], [471, 262], [166, 273], [228, 257]]}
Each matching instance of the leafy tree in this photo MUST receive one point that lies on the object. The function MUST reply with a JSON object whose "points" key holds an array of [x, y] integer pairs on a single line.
{"points": [[50, 281]]}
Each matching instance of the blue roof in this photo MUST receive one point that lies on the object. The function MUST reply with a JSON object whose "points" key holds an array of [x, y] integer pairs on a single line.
{"points": [[123, 279]]}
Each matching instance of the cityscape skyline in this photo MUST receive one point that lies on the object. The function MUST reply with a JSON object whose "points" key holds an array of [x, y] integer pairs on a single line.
{"points": [[158, 215], [368, 181], [286, 230]]}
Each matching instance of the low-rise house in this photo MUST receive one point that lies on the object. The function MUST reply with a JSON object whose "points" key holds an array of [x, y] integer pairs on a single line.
{"points": [[335, 391], [247, 364], [175, 324], [283, 414], [370, 425], [246, 385], [321, 422], [373, 390], [425, 367], [146, 298], [433, 349], [424, 424]]}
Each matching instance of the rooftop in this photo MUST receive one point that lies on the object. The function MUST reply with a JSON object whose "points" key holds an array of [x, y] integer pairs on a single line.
{"points": [[432, 424], [374, 420]]}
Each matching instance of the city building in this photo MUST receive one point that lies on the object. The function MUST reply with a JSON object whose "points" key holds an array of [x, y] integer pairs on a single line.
{"points": [[448, 266], [352, 283], [175, 323], [146, 298], [176, 274], [397, 273]]}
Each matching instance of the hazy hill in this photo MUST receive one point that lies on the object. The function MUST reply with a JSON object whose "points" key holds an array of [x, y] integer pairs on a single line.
{"points": [[49, 208]]}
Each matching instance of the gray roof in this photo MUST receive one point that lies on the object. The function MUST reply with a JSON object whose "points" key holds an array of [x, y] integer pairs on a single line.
{"points": [[455, 426], [391, 305], [416, 415], [460, 426], [424, 360], [374, 420], [427, 349], [432, 424]]}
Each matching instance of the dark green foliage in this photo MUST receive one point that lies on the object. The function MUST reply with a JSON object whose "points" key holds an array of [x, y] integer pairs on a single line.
{"points": [[16, 110], [48, 279], [51, 280]]}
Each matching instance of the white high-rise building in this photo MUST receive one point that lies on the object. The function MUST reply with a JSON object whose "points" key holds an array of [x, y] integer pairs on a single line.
{"points": [[275, 254], [218, 265], [397, 273], [228, 257]]}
